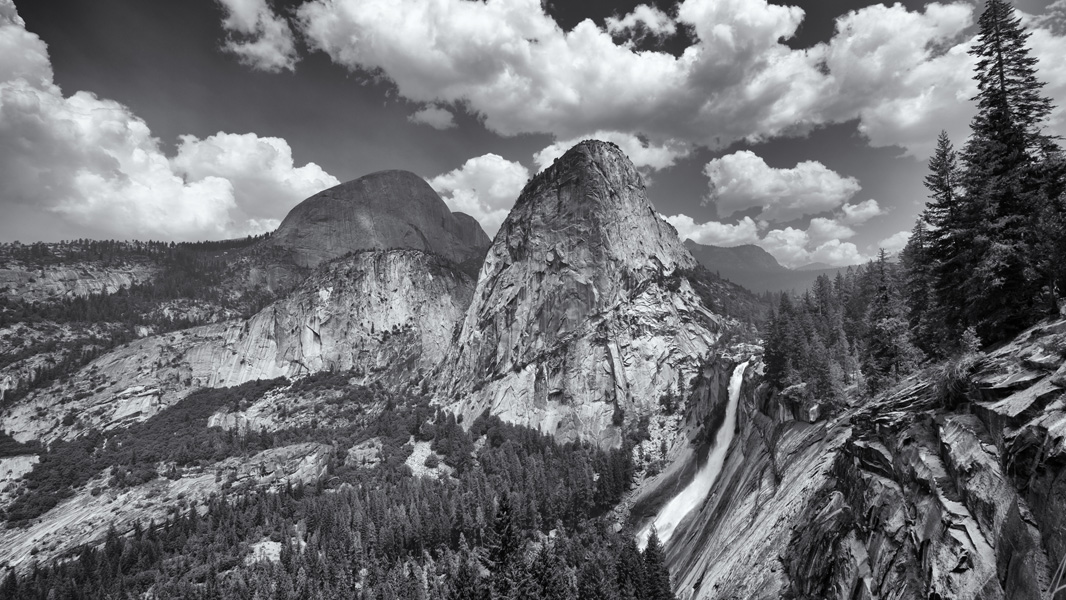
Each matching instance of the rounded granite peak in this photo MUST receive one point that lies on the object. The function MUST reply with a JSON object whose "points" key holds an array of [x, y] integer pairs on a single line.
{"points": [[386, 209], [592, 155]]}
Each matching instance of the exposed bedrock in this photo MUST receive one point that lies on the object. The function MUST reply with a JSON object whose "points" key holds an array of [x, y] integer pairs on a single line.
{"points": [[387, 209], [580, 320], [928, 491], [388, 315]]}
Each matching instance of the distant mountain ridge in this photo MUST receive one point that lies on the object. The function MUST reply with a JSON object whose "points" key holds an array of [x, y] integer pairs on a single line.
{"points": [[756, 269]]}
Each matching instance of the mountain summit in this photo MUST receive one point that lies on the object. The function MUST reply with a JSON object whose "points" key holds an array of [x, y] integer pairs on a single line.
{"points": [[387, 209], [581, 314]]}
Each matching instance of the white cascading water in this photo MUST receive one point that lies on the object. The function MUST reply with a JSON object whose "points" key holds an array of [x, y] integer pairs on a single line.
{"points": [[696, 491]]}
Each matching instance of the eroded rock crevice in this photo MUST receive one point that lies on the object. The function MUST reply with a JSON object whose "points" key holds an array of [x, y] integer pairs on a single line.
{"points": [[949, 486]]}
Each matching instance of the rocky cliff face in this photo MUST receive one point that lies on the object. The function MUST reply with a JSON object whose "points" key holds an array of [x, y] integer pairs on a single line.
{"points": [[387, 209], [53, 282], [385, 314], [84, 519], [580, 317], [951, 486]]}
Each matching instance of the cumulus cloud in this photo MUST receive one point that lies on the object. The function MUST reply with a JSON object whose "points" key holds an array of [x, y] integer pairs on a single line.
{"points": [[258, 36], [714, 233], [94, 163], [794, 248], [644, 155], [857, 214], [837, 254], [901, 73], [742, 180], [1048, 41], [823, 230], [895, 242], [791, 246], [644, 20], [434, 116], [485, 187], [265, 179]]}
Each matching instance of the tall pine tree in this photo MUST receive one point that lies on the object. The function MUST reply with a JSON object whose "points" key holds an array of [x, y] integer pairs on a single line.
{"points": [[657, 584], [1000, 208], [950, 240], [890, 353], [918, 291]]}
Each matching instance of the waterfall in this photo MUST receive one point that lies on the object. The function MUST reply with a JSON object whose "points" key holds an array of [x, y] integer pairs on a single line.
{"points": [[697, 490]]}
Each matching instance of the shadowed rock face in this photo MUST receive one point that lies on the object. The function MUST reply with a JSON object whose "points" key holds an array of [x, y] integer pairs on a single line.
{"points": [[383, 210], [579, 308], [917, 493]]}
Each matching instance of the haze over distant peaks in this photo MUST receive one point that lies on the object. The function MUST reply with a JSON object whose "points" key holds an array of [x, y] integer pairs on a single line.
{"points": [[736, 258], [387, 209], [814, 266], [756, 269]]}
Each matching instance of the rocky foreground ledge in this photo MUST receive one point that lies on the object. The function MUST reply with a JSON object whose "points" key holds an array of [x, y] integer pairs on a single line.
{"points": [[952, 485]]}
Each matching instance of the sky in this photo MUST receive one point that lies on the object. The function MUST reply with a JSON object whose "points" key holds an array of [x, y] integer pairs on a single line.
{"points": [[803, 127]]}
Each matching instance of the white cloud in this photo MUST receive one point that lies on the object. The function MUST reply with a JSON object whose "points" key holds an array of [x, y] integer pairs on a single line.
{"points": [[857, 214], [94, 163], [895, 242], [743, 180], [265, 180], [901, 73], [1049, 48], [23, 55], [904, 74], [795, 248], [485, 187], [792, 247], [643, 20], [259, 37], [837, 254], [788, 246], [642, 153], [715, 233], [822, 230], [435, 116]]}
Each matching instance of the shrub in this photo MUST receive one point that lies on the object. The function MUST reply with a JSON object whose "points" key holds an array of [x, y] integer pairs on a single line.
{"points": [[954, 380]]}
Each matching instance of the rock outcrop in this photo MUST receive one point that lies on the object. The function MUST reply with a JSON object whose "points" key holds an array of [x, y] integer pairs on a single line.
{"points": [[383, 210], [384, 314], [84, 519], [953, 485], [582, 317], [68, 280]]}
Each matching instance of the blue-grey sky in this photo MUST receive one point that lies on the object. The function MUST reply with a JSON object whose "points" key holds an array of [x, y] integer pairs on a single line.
{"points": [[800, 126]]}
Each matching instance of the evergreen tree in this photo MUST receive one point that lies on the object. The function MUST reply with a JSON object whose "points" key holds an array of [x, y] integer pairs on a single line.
{"points": [[890, 353], [629, 572], [1010, 105], [917, 263], [656, 576], [950, 242], [1002, 197]]}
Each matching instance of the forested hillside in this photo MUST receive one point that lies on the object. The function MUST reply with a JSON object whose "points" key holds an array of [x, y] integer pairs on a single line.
{"points": [[986, 258], [504, 512], [188, 287]]}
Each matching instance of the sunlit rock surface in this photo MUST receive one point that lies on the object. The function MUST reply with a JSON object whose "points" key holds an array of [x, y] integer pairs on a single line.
{"points": [[85, 517], [579, 320], [386, 315], [920, 493], [387, 209], [53, 282]]}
